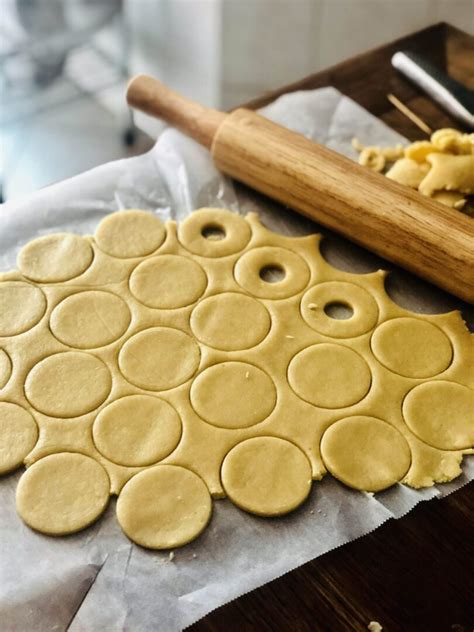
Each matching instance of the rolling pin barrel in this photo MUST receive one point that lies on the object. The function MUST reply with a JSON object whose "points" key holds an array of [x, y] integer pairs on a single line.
{"points": [[397, 223]]}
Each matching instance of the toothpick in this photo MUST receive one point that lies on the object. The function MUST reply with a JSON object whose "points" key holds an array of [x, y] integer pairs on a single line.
{"points": [[401, 107]]}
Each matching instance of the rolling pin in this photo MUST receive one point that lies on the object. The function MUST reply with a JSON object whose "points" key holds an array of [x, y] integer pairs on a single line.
{"points": [[390, 219]]}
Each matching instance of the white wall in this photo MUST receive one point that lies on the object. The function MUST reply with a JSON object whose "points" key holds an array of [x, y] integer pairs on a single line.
{"points": [[223, 52]]}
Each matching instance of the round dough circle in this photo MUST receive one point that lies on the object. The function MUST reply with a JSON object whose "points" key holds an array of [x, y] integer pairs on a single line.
{"points": [[362, 303], [68, 384], [90, 319], [233, 395], [412, 347], [5, 368], [62, 493], [329, 376], [266, 476], [21, 307], [129, 234], [236, 229], [248, 267], [159, 358], [55, 258], [137, 430], [441, 414], [365, 453], [18, 436], [164, 507], [230, 321], [168, 282]]}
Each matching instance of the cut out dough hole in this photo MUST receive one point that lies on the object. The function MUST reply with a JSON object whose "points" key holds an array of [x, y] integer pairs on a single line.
{"points": [[338, 310], [272, 273], [213, 232]]}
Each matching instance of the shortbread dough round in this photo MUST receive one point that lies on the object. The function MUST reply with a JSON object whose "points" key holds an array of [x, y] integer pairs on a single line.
{"points": [[362, 303], [159, 358], [230, 321], [250, 265], [236, 231], [441, 414], [68, 384], [55, 258], [18, 435], [329, 376], [267, 476], [129, 234], [22, 306], [168, 282], [233, 395], [137, 430], [365, 453], [62, 493], [5, 368], [412, 347], [164, 507], [90, 319]]}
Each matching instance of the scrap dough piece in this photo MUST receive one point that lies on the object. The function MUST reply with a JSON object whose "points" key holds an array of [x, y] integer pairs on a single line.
{"points": [[233, 395], [5, 368], [329, 376], [266, 476], [62, 493], [164, 507], [230, 321], [18, 435], [159, 358], [88, 320], [168, 282], [137, 430], [128, 234], [68, 384], [441, 414], [365, 453], [22, 306], [412, 347], [55, 258], [449, 173], [408, 172]]}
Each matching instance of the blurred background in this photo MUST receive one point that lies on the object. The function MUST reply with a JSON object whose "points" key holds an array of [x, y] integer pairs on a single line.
{"points": [[64, 65]]}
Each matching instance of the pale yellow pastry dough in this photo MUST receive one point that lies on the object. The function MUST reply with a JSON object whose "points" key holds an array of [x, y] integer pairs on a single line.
{"points": [[172, 368], [18, 435], [449, 173], [408, 172], [164, 507], [365, 453], [90, 319], [62, 493], [267, 476], [137, 430]]}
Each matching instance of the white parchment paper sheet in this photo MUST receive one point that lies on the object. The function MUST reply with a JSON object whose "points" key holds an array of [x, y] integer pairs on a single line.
{"points": [[98, 580]]}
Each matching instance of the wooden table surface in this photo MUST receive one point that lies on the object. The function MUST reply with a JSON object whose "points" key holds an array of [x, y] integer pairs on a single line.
{"points": [[415, 574]]}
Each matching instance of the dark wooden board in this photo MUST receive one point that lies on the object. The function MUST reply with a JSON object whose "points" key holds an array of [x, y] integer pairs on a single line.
{"points": [[415, 574]]}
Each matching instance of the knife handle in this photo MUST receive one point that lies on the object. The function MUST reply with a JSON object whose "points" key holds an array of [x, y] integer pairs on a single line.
{"points": [[446, 91]]}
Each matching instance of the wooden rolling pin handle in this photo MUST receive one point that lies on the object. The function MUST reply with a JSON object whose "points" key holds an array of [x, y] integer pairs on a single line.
{"points": [[153, 97], [417, 233]]}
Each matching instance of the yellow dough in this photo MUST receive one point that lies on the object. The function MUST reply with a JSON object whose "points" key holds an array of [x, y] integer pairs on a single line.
{"points": [[365, 453], [137, 430], [62, 493], [266, 476], [164, 507], [18, 435], [169, 365]]}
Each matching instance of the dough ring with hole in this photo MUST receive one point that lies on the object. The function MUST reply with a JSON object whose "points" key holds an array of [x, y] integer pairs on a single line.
{"points": [[162, 364]]}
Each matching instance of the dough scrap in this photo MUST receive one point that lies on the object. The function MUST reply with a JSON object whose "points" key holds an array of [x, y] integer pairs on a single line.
{"points": [[168, 369]]}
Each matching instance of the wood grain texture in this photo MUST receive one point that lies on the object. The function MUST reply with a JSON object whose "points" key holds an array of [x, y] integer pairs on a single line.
{"points": [[397, 223], [414, 574]]}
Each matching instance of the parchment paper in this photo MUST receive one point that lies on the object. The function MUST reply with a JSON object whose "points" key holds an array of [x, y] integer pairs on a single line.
{"points": [[98, 580]]}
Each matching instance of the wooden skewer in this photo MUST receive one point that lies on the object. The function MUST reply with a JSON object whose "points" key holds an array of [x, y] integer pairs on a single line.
{"points": [[414, 118], [415, 232]]}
